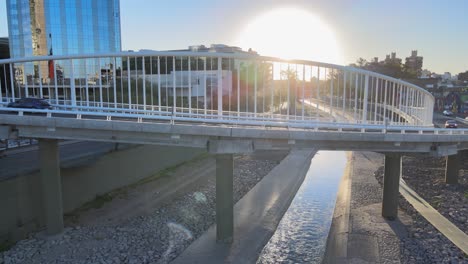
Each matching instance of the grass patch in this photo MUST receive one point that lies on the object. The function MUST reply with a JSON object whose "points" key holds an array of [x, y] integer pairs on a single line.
{"points": [[466, 194], [4, 246], [436, 201], [98, 202], [166, 172]]}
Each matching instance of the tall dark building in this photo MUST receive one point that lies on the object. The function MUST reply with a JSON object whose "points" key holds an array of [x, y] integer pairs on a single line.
{"points": [[414, 63]]}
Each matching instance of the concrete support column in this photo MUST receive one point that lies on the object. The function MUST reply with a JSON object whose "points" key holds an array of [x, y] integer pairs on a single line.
{"points": [[391, 185], [51, 185], [451, 169], [224, 198]]}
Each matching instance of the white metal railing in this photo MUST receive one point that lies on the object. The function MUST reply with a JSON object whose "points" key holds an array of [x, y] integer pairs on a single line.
{"points": [[215, 87]]}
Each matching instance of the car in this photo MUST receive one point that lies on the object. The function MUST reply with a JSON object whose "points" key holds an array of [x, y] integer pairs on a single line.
{"points": [[30, 102], [451, 124], [447, 113]]}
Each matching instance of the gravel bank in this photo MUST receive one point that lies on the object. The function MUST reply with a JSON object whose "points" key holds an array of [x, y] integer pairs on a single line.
{"points": [[424, 243], [154, 238]]}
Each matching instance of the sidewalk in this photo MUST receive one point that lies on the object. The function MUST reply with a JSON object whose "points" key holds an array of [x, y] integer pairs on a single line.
{"points": [[256, 215], [359, 234]]}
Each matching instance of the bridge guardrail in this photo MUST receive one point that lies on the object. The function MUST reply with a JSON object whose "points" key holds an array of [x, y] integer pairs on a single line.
{"points": [[210, 87]]}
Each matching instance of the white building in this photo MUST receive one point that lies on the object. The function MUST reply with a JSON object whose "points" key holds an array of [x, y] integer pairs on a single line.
{"points": [[447, 76], [194, 83]]}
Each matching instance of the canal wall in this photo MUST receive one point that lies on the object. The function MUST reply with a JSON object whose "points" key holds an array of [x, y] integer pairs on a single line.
{"points": [[256, 215], [21, 210]]}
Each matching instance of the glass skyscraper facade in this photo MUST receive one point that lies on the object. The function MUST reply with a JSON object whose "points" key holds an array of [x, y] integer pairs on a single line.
{"points": [[63, 27]]}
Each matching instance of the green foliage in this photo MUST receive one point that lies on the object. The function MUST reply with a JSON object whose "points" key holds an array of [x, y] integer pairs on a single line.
{"points": [[390, 68], [99, 201], [5, 246]]}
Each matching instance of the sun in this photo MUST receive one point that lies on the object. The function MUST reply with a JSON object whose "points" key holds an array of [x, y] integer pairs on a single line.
{"points": [[291, 33]]}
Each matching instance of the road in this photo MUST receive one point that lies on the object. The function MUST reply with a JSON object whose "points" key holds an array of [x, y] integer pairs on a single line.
{"points": [[439, 121], [22, 161]]}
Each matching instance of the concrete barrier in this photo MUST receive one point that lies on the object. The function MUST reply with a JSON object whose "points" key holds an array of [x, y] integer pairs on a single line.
{"points": [[21, 210]]}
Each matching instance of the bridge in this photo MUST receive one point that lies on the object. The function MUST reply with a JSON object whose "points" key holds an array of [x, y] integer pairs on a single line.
{"points": [[226, 103]]}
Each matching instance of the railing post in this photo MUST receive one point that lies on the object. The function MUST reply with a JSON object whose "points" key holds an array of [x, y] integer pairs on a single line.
{"points": [[144, 82], [344, 92], [72, 84], [114, 81], [174, 81], [376, 87], [365, 102], [101, 102], [189, 86], [12, 82], [129, 84], [356, 81], [331, 92], [220, 87]]}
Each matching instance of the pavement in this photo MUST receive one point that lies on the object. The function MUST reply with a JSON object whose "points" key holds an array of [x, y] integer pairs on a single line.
{"points": [[359, 234], [256, 215]]}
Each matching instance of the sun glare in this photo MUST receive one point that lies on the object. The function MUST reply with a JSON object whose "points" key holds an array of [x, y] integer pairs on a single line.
{"points": [[291, 33]]}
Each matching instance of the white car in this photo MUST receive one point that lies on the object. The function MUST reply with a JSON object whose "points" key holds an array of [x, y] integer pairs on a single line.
{"points": [[447, 113]]}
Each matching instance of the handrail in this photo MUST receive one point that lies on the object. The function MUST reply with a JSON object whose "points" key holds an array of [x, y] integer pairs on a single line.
{"points": [[221, 85]]}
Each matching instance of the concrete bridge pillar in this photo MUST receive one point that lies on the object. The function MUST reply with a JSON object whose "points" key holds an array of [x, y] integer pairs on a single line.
{"points": [[451, 169], [51, 185], [224, 198], [391, 185]]}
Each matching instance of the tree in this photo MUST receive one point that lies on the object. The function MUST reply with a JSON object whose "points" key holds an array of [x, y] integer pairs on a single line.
{"points": [[393, 68]]}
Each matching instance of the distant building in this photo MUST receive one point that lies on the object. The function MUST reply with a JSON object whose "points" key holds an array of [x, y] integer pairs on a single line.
{"points": [[446, 76], [58, 27], [42, 27], [195, 83], [218, 48], [463, 76], [200, 82], [414, 63], [392, 59]]}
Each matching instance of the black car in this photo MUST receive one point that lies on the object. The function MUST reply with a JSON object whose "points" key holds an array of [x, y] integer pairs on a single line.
{"points": [[33, 103], [451, 124]]}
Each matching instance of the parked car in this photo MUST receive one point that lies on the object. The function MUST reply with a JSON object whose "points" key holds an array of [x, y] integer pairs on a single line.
{"points": [[447, 113], [451, 124], [30, 102]]}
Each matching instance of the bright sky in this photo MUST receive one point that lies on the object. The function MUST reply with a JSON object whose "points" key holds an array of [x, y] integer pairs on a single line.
{"points": [[361, 28]]}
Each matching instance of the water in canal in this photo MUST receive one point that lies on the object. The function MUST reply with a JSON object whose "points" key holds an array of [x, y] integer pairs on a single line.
{"points": [[302, 233]]}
